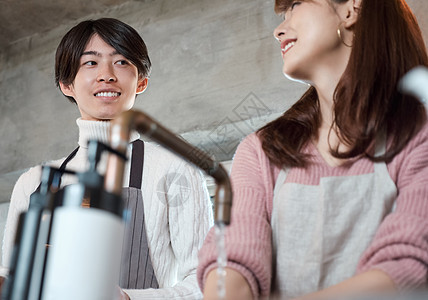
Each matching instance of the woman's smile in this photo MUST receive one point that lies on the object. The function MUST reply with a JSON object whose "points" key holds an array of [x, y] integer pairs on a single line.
{"points": [[287, 45]]}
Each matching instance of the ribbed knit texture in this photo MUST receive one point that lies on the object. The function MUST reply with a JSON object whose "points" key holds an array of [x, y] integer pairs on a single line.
{"points": [[400, 247], [175, 231]]}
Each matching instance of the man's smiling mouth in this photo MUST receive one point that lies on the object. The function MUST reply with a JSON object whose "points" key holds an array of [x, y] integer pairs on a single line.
{"points": [[107, 94]]}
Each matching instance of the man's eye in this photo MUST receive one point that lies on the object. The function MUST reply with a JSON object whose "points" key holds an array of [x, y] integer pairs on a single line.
{"points": [[90, 63], [122, 62]]}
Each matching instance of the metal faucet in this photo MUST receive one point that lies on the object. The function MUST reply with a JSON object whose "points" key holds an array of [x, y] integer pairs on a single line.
{"points": [[121, 128]]}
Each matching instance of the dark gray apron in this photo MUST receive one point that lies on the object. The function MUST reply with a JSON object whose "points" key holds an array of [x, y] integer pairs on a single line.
{"points": [[136, 266]]}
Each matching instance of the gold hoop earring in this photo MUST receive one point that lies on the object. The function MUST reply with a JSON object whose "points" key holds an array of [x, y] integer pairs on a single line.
{"points": [[339, 34]]}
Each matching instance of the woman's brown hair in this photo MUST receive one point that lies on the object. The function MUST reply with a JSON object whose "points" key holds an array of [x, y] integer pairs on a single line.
{"points": [[387, 44]]}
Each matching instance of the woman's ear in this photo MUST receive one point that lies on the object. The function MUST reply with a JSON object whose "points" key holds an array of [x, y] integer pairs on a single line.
{"points": [[350, 13], [67, 89], [142, 85]]}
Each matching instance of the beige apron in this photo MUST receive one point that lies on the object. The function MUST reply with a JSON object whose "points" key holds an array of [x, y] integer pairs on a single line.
{"points": [[320, 232]]}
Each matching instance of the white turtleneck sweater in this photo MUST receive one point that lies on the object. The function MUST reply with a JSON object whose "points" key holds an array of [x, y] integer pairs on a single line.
{"points": [[175, 232]]}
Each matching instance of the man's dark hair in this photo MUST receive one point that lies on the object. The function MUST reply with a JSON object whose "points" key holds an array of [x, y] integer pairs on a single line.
{"points": [[122, 37]]}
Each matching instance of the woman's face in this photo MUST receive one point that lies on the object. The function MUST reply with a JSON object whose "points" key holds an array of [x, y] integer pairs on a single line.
{"points": [[106, 83], [310, 45]]}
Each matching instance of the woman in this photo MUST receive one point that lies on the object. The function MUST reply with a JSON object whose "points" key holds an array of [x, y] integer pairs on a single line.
{"points": [[331, 198]]}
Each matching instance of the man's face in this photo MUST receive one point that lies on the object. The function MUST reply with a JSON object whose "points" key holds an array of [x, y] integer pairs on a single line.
{"points": [[106, 83]]}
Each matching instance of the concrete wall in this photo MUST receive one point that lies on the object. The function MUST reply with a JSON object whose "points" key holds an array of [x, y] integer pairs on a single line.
{"points": [[216, 77]]}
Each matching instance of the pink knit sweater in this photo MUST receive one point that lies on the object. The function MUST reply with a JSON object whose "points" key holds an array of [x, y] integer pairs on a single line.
{"points": [[399, 248]]}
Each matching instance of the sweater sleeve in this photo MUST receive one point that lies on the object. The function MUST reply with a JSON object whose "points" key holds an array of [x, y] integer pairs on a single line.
{"points": [[248, 237], [400, 246], [190, 217], [24, 187]]}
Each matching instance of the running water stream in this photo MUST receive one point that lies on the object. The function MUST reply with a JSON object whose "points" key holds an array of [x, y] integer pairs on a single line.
{"points": [[220, 229]]}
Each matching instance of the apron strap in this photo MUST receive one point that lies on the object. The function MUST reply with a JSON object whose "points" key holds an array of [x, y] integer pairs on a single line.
{"points": [[62, 167], [380, 144], [280, 179], [70, 157], [137, 163]]}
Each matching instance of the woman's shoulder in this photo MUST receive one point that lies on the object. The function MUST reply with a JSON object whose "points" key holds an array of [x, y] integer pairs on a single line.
{"points": [[252, 139], [251, 147], [251, 144], [412, 159], [418, 142], [423, 132], [251, 156]]}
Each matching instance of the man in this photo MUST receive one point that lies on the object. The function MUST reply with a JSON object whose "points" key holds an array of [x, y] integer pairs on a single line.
{"points": [[101, 65]]}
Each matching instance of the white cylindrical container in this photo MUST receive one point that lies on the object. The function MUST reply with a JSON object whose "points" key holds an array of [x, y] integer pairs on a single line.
{"points": [[84, 255]]}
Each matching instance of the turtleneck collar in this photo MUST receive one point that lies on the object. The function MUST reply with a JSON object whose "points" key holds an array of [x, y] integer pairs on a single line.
{"points": [[97, 130]]}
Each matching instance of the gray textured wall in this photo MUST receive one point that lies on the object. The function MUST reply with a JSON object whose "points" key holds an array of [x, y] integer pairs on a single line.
{"points": [[216, 77]]}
